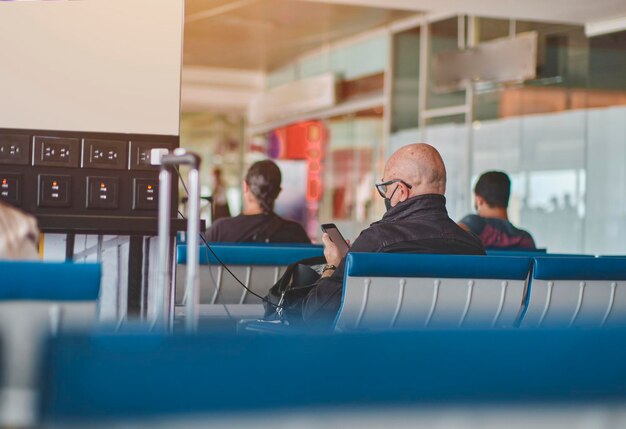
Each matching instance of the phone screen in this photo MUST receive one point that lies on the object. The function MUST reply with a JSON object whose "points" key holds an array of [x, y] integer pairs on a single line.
{"points": [[337, 238]]}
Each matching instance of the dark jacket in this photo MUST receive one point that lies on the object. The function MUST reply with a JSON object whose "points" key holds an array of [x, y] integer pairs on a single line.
{"points": [[266, 227], [417, 225]]}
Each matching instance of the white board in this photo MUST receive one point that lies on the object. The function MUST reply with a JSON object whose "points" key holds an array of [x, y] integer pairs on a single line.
{"points": [[94, 65]]}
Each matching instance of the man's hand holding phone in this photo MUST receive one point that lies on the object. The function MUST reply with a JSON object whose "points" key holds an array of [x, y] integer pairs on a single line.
{"points": [[334, 250]]}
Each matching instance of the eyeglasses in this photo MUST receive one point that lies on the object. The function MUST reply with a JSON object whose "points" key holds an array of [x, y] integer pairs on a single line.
{"points": [[382, 187]]}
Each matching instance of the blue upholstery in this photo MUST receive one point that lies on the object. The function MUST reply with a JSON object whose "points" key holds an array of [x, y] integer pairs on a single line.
{"points": [[534, 254], [573, 268], [49, 281], [107, 377], [516, 252], [255, 254], [447, 266]]}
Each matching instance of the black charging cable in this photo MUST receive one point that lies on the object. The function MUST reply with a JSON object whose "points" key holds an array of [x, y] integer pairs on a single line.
{"points": [[218, 258]]}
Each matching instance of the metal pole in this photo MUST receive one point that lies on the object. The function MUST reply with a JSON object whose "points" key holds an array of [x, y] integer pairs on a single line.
{"points": [[193, 229], [159, 305]]}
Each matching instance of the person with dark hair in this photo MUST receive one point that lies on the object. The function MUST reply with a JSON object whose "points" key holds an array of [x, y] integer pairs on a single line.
{"points": [[491, 224], [258, 222]]}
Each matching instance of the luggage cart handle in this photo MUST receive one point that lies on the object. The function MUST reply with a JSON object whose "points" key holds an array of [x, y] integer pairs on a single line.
{"points": [[181, 157], [164, 291]]}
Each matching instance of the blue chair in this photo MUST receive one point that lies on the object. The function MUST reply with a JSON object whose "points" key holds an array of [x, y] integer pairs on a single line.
{"points": [[102, 379], [38, 298], [577, 292], [410, 291], [258, 266]]}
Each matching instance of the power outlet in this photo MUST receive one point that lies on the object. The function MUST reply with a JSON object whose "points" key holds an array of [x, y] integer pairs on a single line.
{"points": [[108, 154], [102, 192], [145, 194], [14, 149], [56, 151], [54, 190], [141, 154], [10, 188]]}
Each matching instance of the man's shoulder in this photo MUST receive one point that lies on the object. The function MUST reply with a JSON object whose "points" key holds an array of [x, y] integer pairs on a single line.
{"points": [[474, 222], [221, 222], [291, 232], [472, 218], [370, 239]]}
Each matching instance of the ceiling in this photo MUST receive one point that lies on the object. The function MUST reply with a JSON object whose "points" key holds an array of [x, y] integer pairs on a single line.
{"points": [[567, 11], [230, 45], [265, 34]]}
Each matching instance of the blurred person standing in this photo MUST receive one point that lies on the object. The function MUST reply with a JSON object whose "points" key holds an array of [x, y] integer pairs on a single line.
{"points": [[18, 234], [491, 224], [258, 222], [219, 201]]}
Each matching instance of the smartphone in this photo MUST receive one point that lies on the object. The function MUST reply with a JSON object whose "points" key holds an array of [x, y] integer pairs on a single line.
{"points": [[336, 237]]}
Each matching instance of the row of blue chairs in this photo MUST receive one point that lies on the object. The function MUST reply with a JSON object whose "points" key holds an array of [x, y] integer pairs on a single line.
{"points": [[408, 291], [104, 377], [389, 291], [369, 380]]}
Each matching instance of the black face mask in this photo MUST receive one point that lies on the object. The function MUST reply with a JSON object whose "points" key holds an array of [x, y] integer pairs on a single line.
{"points": [[388, 200]]}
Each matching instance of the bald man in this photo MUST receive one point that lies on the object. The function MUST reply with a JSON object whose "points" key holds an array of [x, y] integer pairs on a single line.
{"points": [[416, 221]]}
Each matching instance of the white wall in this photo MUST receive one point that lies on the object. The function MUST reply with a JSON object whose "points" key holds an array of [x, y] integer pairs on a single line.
{"points": [[97, 65]]}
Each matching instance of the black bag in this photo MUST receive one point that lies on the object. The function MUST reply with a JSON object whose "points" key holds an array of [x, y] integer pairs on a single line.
{"points": [[284, 300]]}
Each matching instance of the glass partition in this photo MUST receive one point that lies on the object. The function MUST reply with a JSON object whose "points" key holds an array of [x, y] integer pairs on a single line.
{"points": [[443, 37], [350, 199], [448, 135], [405, 90]]}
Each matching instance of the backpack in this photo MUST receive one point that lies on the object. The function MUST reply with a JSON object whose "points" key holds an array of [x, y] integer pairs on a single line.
{"points": [[284, 300]]}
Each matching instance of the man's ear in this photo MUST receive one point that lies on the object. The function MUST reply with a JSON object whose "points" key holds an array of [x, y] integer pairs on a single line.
{"points": [[479, 202], [245, 187], [407, 191]]}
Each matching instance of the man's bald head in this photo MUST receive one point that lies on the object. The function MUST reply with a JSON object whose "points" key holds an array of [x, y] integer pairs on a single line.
{"points": [[421, 166]]}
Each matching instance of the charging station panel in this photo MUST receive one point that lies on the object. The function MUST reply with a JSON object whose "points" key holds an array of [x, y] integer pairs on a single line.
{"points": [[84, 182]]}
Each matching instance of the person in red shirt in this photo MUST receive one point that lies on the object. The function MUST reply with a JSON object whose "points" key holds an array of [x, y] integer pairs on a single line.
{"points": [[491, 224]]}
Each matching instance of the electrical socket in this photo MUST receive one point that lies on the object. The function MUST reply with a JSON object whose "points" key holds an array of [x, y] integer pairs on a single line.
{"points": [[141, 154], [14, 149], [56, 151], [108, 154]]}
